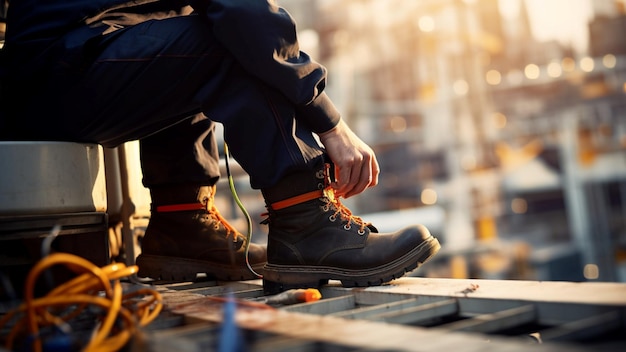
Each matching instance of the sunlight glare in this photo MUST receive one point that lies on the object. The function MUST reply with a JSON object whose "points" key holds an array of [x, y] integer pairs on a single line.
{"points": [[568, 64], [460, 87], [426, 24], [609, 61], [428, 196], [548, 21], [587, 64], [493, 77], [554, 69], [531, 71], [397, 124], [591, 272], [519, 206]]}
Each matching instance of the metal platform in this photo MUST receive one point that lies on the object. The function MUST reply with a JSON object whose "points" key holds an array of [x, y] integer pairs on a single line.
{"points": [[410, 314]]}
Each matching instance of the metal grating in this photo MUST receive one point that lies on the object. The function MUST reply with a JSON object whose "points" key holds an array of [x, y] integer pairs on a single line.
{"points": [[412, 314]]}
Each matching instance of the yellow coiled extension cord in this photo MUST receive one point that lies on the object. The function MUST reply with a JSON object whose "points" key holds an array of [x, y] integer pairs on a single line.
{"points": [[94, 286]]}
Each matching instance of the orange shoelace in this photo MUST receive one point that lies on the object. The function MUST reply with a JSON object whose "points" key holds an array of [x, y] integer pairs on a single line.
{"points": [[326, 195], [217, 216], [341, 210], [209, 207]]}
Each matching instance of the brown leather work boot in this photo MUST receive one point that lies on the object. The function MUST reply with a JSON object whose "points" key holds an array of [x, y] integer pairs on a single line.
{"points": [[187, 235], [313, 238]]}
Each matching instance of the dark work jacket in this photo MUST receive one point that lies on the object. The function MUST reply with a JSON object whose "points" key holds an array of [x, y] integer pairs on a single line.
{"points": [[260, 35]]}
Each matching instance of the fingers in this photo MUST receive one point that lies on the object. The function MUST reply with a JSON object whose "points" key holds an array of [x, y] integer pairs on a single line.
{"points": [[348, 177], [356, 167], [358, 180], [356, 176], [375, 169]]}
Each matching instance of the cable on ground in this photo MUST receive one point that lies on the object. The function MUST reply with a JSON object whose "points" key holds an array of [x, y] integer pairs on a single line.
{"points": [[95, 288]]}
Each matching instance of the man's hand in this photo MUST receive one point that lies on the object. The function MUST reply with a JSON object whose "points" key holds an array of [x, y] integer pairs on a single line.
{"points": [[356, 167]]}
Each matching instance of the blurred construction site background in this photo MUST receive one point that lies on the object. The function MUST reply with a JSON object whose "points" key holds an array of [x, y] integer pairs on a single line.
{"points": [[500, 124]]}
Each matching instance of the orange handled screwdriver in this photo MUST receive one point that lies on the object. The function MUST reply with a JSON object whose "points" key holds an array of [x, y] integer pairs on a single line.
{"points": [[292, 297]]}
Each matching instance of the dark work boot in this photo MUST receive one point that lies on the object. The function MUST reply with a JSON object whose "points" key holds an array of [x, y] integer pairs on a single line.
{"points": [[187, 235], [313, 238]]}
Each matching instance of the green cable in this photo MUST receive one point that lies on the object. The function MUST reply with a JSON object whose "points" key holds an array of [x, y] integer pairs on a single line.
{"points": [[231, 184]]}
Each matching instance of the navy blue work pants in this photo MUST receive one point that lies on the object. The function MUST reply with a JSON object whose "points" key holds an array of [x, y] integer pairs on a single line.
{"points": [[165, 83]]}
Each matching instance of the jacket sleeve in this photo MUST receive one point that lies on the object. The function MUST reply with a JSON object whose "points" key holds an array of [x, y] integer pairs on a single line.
{"points": [[262, 37]]}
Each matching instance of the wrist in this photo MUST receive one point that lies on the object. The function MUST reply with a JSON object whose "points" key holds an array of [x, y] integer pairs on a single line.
{"points": [[333, 131]]}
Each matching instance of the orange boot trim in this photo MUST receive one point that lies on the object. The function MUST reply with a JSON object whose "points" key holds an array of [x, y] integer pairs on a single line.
{"points": [[297, 199]]}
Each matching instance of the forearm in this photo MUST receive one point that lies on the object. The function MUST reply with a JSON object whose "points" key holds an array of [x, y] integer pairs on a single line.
{"points": [[321, 115]]}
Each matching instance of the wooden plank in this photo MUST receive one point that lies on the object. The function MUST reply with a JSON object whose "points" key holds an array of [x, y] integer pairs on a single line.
{"points": [[598, 293]]}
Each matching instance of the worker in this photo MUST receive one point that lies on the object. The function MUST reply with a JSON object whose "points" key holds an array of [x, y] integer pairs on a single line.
{"points": [[164, 72]]}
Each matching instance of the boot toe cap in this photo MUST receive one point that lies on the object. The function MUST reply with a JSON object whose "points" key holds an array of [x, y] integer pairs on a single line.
{"points": [[410, 237]]}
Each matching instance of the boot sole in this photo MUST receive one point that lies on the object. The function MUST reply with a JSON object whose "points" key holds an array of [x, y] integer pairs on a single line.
{"points": [[278, 278], [182, 269]]}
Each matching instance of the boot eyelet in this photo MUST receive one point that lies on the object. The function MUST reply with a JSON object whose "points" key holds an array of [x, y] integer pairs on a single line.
{"points": [[361, 232], [332, 218], [347, 227], [320, 186], [326, 208]]}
